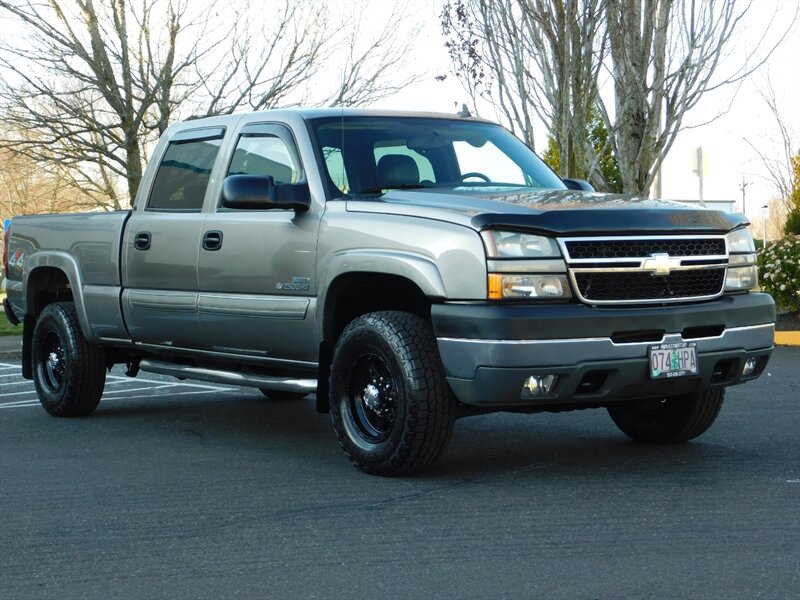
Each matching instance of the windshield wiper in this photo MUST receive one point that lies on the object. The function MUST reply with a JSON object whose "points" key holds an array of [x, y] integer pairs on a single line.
{"points": [[399, 186]]}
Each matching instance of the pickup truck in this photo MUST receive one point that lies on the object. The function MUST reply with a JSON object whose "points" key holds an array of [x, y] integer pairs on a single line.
{"points": [[408, 269]]}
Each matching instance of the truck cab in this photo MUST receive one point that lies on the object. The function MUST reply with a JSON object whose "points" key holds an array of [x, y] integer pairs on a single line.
{"points": [[408, 269]]}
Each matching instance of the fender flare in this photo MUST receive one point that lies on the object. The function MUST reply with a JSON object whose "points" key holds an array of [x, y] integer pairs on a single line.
{"points": [[69, 266]]}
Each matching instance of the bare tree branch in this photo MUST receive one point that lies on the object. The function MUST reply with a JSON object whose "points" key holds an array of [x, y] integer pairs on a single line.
{"points": [[98, 81]]}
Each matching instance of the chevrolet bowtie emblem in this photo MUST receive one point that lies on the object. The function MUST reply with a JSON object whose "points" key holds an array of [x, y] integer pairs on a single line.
{"points": [[660, 264]]}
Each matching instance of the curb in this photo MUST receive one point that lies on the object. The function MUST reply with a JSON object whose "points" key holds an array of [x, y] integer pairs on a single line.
{"points": [[787, 338]]}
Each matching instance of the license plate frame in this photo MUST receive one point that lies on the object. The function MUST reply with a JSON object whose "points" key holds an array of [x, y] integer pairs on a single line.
{"points": [[676, 359]]}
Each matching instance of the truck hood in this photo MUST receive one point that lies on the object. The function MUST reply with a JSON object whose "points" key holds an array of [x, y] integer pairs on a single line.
{"points": [[561, 212]]}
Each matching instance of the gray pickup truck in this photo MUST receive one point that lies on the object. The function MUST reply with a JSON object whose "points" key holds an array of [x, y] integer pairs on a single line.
{"points": [[408, 269]]}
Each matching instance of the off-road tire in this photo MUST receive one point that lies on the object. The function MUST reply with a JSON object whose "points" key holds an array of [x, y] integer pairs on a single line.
{"points": [[669, 420], [413, 420], [282, 396], [69, 373]]}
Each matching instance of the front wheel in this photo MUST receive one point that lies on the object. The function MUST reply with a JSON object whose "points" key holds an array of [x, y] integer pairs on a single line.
{"points": [[68, 372], [391, 407], [668, 420]]}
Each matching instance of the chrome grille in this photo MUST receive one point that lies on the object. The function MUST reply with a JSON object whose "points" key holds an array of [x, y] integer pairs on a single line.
{"points": [[646, 269]]}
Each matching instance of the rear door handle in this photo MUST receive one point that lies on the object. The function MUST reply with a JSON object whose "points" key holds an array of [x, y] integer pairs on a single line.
{"points": [[142, 240], [212, 240]]}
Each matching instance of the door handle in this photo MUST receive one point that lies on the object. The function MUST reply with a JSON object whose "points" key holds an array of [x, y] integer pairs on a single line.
{"points": [[212, 240], [142, 240]]}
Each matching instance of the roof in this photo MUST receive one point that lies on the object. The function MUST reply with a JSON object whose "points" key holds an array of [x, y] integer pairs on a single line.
{"points": [[322, 112]]}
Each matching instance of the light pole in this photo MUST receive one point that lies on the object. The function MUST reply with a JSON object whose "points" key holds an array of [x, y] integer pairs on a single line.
{"points": [[765, 208], [742, 187]]}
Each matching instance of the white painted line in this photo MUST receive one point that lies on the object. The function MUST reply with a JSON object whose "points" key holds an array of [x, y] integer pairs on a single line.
{"points": [[20, 403], [11, 375], [25, 403], [15, 394], [139, 389], [8, 366], [196, 385]]}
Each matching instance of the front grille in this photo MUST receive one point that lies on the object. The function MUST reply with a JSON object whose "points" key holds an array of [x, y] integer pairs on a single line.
{"points": [[629, 286], [642, 248]]}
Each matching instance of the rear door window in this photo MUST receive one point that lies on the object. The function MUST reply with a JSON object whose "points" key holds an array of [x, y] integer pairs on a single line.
{"points": [[183, 175]]}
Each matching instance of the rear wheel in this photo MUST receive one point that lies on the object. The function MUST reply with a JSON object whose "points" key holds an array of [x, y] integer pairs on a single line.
{"points": [[68, 372], [391, 407], [668, 420]]}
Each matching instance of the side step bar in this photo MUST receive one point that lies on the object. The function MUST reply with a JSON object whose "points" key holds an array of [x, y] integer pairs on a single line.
{"points": [[278, 384]]}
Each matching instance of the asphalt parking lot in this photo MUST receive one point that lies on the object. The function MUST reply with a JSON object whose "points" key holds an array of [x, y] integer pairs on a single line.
{"points": [[186, 490]]}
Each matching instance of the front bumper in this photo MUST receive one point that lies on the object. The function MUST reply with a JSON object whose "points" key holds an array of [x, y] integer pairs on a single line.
{"points": [[488, 351]]}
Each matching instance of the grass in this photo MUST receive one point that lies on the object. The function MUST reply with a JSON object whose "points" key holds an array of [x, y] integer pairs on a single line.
{"points": [[7, 328]]}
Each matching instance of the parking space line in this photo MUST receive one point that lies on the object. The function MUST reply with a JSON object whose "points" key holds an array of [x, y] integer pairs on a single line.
{"points": [[26, 403], [139, 389], [196, 385], [9, 375], [16, 393]]}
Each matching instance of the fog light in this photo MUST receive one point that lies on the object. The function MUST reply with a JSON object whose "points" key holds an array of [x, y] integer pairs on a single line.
{"points": [[749, 366], [537, 386]]}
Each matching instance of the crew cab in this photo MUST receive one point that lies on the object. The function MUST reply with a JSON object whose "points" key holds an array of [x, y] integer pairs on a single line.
{"points": [[407, 269]]}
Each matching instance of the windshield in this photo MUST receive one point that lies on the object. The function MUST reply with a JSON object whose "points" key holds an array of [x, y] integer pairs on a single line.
{"points": [[365, 156]]}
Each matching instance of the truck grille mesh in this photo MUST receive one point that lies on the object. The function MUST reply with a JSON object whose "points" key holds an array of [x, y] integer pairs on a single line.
{"points": [[628, 286], [594, 249], [630, 269]]}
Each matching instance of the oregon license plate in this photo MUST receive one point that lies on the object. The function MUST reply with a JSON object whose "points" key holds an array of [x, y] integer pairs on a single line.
{"points": [[673, 360]]}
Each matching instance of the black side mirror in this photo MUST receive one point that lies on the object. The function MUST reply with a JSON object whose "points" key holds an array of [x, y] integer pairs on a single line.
{"points": [[578, 184], [260, 192]]}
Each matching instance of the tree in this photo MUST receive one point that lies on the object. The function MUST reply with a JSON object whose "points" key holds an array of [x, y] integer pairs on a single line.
{"points": [[97, 81], [663, 56], [534, 58], [792, 224], [666, 56], [607, 163], [27, 188]]}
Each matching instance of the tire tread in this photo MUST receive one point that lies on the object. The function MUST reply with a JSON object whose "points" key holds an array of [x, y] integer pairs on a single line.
{"points": [[85, 380]]}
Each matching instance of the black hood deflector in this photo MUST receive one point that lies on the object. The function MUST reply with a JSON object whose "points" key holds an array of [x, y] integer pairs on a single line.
{"points": [[633, 221]]}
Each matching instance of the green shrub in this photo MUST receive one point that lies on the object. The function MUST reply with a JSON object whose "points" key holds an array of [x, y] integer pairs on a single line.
{"points": [[792, 225], [779, 272]]}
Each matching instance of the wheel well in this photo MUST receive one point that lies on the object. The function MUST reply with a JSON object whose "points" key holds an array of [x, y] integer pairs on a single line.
{"points": [[45, 286], [354, 294]]}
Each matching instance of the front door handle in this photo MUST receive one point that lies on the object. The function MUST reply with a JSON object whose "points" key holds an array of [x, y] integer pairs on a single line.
{"points": [[212, 240], [141, 240]]}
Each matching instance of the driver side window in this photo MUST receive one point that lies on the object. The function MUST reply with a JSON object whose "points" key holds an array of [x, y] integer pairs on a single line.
{"points": [[263, 155]]}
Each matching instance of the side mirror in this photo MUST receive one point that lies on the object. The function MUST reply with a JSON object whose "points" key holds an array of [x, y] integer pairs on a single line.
{"points": [[578, 184], [260, 192]]}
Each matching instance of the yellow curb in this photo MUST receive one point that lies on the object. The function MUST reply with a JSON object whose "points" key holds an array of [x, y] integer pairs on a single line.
{"points": [[787, 338]]}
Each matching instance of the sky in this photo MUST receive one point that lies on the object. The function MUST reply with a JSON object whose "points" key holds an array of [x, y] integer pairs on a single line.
{"points": [[728, 156]]}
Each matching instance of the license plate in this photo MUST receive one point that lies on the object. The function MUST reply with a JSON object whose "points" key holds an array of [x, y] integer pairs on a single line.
{"points": [[673, 360]]}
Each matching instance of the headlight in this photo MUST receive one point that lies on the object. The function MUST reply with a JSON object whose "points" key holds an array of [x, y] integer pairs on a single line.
{"points": [[504, 287], [742, 273], [512, 244], [740, 241], [741, 278]]}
